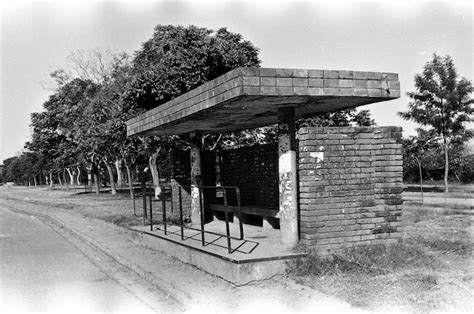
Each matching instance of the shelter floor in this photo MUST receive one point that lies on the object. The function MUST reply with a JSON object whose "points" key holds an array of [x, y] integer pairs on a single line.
{"points": [[259, 244]]}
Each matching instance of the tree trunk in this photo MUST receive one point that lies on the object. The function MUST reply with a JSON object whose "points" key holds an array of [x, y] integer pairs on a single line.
{"points": [[59, 179], [34, 179], [130, 181], [421, 179], [97, 183], [71, 176], [78, 176], [118, 167], [111, 177], [94, 171], [155, 173], [51, 179], [63, 177], [446, 165], [89, 176]]}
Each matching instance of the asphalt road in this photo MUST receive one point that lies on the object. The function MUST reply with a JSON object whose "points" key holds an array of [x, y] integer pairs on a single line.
{"points": [[42, 271]]}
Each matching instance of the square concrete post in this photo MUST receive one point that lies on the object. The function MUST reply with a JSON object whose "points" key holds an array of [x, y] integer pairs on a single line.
{"points": [[288, 184], [196, 178]]}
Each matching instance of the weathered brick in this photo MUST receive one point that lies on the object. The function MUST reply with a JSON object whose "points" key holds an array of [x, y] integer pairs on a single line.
{"points": [[285, 81], [302, 91], [331, 83], [284, 91], [267, 90], [315, 91], [267, 72], [331, 74], [360, 75], [268, 81], [358, 183], [346, 83], [313, 82], [301, 82], [316, 73], [374, 92], [361, 92], [284, 72], [300, 73]]}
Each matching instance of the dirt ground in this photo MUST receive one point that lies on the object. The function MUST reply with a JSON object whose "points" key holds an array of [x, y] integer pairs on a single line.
{"points": [[441, 282]]}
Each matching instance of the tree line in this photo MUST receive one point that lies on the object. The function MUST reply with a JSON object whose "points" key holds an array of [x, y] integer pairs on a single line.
{"points": [[80, 135]]}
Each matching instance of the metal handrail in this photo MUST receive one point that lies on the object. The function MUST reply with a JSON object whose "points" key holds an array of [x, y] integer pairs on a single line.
{"points": [[201, 209]]}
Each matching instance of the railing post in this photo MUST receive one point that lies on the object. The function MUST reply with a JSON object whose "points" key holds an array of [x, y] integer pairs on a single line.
{"points": [[151, 209], [226, 215], [200, 203], [239, 206], [180, 212], [201, 211], [171, 199], [144, 202], [163, 202]]}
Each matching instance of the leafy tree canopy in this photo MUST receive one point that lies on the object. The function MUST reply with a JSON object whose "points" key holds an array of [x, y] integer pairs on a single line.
{"points": [[441, 101], [177, 59], [345, 117]]}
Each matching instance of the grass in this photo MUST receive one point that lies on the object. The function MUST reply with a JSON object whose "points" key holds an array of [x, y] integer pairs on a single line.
{"points": [[430, 271], [370, 260]]}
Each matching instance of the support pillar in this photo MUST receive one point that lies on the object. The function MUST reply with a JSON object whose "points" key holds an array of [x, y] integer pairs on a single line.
{"points": [[287, 170], [196, 178]]}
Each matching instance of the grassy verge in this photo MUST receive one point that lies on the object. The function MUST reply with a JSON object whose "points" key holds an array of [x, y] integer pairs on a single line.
{"points": [[430, 271]]}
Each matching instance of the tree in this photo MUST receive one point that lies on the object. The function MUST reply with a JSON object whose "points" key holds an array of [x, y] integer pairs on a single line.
{"points": [[176, 60], [415, 148], [56, 130], [344, 117], [96, 109], [442, 103]]}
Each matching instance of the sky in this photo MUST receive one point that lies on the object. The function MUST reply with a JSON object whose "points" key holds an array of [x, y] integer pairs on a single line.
{"points": [[395, 36]]}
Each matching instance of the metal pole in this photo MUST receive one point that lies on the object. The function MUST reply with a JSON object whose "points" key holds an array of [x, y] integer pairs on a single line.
{"points": [[144, 200], [171, 199], [226, 215], [202, 216], [151, 209], [239, 211], [180, 212], [163, 202]]}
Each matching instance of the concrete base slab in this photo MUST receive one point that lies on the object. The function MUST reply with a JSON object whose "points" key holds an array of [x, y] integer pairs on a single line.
{"points": [[259, 256]]}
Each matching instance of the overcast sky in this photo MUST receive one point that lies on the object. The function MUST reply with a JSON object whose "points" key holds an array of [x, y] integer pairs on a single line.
{"points": [[36, 38]]}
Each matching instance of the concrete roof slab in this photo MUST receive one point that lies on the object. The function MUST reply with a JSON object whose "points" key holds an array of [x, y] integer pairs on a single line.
{"points": [[251, 97]]}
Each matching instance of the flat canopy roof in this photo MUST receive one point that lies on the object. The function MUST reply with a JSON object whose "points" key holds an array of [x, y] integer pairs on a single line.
{"points": [[251, 97]]}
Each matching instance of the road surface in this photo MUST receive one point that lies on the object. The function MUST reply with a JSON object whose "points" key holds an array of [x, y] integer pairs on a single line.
{"points": [[42, 271]]}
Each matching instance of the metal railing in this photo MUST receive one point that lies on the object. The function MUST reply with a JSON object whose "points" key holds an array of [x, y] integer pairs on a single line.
{"points": [[168, 189]]}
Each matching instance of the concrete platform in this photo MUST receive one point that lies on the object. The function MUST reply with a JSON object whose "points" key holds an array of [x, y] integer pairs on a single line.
{"points": [[259, 256]]}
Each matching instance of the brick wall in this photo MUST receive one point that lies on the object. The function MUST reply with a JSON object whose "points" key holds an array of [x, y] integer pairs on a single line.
{"points": [[255, 171], [350, 184]]}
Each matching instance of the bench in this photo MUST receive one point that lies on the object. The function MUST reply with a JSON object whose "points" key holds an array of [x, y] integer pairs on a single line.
{"points": [[265, 212]]}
